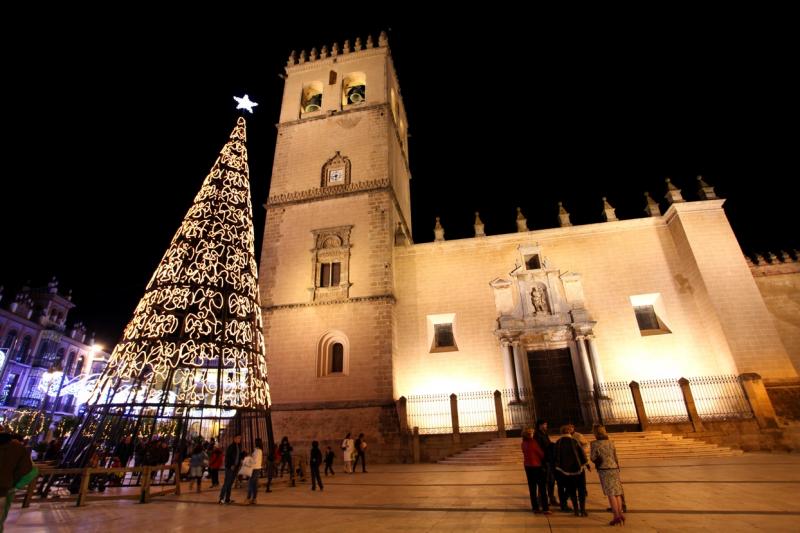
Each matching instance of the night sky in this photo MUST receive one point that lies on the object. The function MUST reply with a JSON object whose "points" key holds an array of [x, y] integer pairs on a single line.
{"points": [[111, 128]]}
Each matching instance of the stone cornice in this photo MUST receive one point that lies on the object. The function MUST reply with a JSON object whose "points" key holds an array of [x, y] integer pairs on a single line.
{"points": [[538, 235], [317, 193], [357, 299], [775, 269]]}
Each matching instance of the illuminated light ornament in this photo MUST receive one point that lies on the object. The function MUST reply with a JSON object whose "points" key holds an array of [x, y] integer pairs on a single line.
{"points": [[191, 361], [245, 103]]}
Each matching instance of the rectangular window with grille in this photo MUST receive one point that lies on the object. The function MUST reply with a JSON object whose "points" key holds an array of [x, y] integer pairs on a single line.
{"points": [[649, 322], [651, 314], [532, 262], [444, 335]]}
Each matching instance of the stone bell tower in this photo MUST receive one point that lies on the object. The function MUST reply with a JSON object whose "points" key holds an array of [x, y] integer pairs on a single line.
{"points": [[338, 202]]}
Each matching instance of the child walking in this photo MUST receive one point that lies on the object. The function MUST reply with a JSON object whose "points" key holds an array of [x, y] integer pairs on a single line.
{"points": [[329, 461]]}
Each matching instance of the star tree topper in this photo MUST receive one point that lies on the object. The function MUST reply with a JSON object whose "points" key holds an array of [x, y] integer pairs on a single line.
{"points": [[245, 103]]}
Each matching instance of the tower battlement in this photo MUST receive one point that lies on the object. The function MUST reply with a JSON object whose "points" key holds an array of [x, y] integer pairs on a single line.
{"points": [[358, 48]]}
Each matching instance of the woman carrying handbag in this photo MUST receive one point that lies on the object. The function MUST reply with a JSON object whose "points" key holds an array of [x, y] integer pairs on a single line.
{"points": [[604, 456]]}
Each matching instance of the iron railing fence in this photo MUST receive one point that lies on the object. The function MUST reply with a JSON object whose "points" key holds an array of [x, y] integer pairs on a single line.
{"points": [[430, 413], [615, 402], [720, 398], [663, 401], [716, 398], [519, 410], [476, 411]]}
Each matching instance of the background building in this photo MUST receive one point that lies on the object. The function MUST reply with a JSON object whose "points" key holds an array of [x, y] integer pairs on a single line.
{"points": [[43, 363], [356, 315]]}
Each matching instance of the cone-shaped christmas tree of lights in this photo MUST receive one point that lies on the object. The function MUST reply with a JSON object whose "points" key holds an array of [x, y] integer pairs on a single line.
{"points": [[191, 361]]}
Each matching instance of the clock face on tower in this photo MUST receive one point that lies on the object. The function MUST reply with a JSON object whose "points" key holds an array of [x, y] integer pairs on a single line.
{"points": [[336, 175]]}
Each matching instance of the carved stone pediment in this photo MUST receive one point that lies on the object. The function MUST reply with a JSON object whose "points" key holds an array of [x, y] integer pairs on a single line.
{"points": [[538, 298]]}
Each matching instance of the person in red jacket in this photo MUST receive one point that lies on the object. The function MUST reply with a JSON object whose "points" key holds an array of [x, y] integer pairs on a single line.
{"points": [[535, 471], [215, 463]]}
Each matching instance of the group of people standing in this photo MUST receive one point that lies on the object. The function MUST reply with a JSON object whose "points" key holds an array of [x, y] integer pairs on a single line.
{"points": [[248, 465], [565, 463]]}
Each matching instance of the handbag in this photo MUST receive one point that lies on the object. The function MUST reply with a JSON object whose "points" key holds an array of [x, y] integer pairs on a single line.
{"points": [[598, 462]]}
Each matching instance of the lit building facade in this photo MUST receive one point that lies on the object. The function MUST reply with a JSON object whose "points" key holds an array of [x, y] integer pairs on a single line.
{"points": [[356, 315], [43, 363]]}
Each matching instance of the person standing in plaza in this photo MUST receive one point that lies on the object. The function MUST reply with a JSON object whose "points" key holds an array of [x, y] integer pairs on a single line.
{"points": [[286, 457], [583, 441], [329, 456], [314, 462], [16, 470], [535, 472], [348, 447], [255, 464], [570, 463], [233, 458], [273, 458], [360, 447], [604, 456], [197, 464], [543, 439], [215, 463]]}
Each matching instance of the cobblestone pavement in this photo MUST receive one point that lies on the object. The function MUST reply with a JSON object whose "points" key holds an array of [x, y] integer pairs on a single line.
{"points": [[753, 491]]}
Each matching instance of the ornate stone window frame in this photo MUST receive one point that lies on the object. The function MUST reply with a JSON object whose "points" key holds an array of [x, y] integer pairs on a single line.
{"points": [[337, 163], [331, 245]]}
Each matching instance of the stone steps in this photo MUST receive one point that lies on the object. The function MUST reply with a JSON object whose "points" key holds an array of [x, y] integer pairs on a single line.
{"points": [[630, 445]]}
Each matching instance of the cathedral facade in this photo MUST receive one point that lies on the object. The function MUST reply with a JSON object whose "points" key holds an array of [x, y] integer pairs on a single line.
{"points": [[356, 315]]}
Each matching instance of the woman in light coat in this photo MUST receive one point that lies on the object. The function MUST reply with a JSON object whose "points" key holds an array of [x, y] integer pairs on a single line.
{"points": [[348, 448], [251, 467]]}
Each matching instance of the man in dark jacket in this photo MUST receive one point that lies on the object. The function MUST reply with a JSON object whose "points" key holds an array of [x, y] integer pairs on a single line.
{"points": [[543, 439], [233, 459], [15, 467]]}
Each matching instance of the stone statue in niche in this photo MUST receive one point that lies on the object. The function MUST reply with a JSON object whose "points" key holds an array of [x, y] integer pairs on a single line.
{"points": [[539, 300]]}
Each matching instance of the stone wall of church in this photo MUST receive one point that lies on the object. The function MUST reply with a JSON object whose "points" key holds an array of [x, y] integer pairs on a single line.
{"points": [[725, 287], [779, 285], [385, 443], [616, 260], [303, 148], [293, 342], [287, 269]]}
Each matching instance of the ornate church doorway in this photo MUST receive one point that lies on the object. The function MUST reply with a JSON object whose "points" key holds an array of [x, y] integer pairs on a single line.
{"points": [[554, 388]]}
